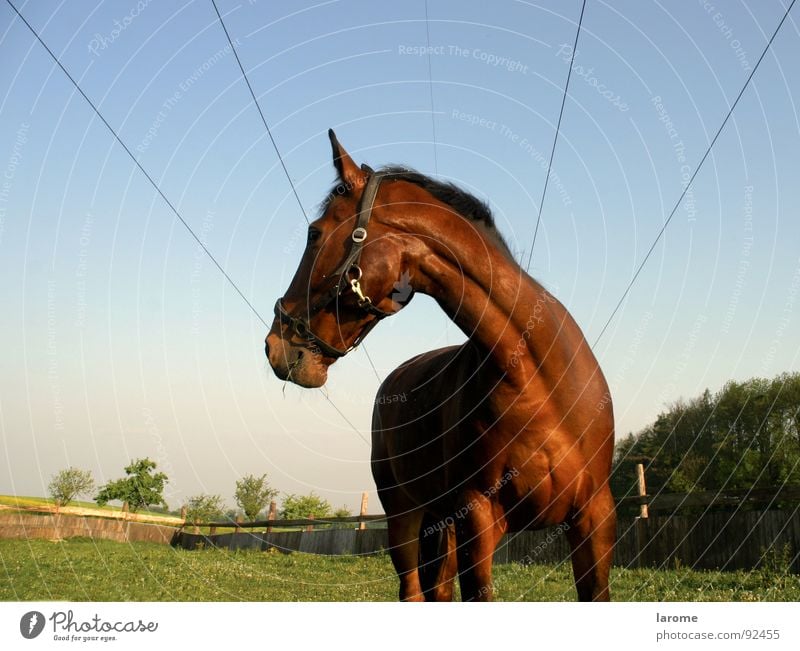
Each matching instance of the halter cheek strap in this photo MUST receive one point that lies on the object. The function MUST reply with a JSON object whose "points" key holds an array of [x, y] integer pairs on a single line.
{"points": [[347, 276]]}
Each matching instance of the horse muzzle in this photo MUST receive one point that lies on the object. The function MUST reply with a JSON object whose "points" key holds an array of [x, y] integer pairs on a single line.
{"points": [[295, 363]]}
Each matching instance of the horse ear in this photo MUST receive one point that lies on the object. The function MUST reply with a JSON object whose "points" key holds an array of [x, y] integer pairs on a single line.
{"points": [[349, 173]]}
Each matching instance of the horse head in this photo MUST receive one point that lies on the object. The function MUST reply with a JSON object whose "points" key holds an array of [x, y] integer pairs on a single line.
{"points": [[345, 282]]}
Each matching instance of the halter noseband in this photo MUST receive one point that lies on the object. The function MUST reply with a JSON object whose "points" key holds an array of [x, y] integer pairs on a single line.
{"points": [[347, 275]]}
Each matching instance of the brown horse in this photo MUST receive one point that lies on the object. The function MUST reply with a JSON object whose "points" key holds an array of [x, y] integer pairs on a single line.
{"points": [[513, 430]]}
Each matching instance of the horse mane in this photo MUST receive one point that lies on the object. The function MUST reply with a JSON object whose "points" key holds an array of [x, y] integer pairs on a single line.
{"points": [[462, 202], [465, 204]]}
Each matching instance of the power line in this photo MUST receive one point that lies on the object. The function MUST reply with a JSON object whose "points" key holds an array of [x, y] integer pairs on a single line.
{"points": [[691, 179], [137, 163], [157, 188], [260, 112], [555, 138], [275, 147]]}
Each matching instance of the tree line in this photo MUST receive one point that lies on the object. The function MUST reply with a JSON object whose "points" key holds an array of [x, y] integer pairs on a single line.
{"points": [[142, 487], [746, 435]]}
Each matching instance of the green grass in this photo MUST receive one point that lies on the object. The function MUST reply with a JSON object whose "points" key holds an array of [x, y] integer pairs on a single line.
{"points": [[83, 570], [25, 502]]}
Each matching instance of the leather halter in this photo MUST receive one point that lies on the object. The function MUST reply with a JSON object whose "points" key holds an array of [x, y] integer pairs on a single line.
{"points": [[347, 276]]}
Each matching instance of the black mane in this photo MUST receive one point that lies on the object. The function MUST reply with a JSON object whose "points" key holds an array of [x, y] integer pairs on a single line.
{"points": [[461, 201]]}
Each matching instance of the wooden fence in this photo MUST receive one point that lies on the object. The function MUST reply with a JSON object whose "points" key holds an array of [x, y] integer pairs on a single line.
{"points": [[748, 533], [58, 526], [50, 522]]}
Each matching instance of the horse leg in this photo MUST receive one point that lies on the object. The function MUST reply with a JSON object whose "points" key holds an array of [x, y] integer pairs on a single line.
{"points": [[477, 535], [404, 550], [591, 535], [437, 559]]}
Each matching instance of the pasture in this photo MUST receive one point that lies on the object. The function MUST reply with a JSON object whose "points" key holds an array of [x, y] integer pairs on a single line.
{"points": [[85, 570]]}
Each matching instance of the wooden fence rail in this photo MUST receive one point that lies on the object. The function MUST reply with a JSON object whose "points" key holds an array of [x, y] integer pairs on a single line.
{"points": [[660, 536], [658, 503]]}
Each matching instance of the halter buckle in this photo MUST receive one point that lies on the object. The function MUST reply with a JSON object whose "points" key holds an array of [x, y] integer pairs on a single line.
{"points": [[359, 234]]}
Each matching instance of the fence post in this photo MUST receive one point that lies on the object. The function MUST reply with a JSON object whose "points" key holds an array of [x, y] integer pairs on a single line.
{"points": [[123, 522], [239, 521], [363, 525], [183, 515], [273, 511], [643, 510], [310, 527], [641, 525]]}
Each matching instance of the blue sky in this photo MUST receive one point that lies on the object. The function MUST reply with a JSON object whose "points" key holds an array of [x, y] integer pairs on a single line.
{"points": [[122, 340]]}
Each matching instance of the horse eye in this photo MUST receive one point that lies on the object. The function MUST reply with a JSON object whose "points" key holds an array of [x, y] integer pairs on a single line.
{"points": [[313, 235]]}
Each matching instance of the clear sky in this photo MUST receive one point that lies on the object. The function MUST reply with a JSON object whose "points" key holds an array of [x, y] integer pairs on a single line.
{"points": [[120, 339]]}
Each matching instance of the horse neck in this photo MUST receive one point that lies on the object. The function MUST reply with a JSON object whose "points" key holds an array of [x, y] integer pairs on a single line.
{"points": [[503, 311]]}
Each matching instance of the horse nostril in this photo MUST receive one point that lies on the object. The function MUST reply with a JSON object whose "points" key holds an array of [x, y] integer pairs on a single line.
{"points": [[299, 355]]}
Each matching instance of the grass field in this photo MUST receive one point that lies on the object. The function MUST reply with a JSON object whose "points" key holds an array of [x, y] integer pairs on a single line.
{"points": [[84, 570]]}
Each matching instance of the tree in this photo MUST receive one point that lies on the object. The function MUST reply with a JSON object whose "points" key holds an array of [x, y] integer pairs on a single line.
{"points": [[68, 484], [304, 506], [253, 494], [203, 508], [342, 512], [141, 488], [744, 436]]}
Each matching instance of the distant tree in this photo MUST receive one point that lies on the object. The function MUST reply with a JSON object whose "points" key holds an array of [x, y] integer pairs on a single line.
{"points": [[744, 436], [232, 514], [304, 506], [68, 484], [253, 494], [342, 512], [203, 508], [140, 488]]}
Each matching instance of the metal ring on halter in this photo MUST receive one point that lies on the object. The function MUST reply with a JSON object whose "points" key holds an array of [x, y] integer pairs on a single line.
{"points": [[359, 234], [358, 271]]}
